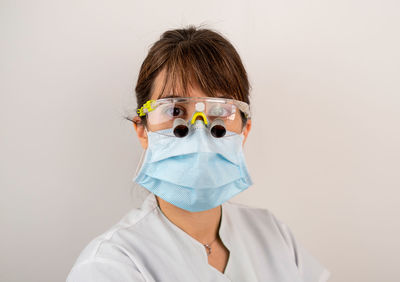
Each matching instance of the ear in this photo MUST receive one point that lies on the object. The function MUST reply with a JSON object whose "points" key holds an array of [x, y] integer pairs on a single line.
{"points": [[246, 130], [140, 131]]}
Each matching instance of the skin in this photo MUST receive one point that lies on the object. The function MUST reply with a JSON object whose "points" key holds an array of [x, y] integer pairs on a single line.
{"points": [[204, 225]]}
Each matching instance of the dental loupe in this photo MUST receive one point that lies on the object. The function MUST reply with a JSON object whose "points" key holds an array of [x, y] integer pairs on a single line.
{"points": [[181, 128]]}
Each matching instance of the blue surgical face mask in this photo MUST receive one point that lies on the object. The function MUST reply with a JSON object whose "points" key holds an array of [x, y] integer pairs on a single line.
{"points": [[196, 173]]}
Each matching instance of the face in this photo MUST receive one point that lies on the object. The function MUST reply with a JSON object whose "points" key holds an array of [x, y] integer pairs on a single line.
{"points": [[195, 91]]}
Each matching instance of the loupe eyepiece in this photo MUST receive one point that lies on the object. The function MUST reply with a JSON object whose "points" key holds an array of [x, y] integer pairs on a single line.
{"points": [[180, 128], [217, 128]]}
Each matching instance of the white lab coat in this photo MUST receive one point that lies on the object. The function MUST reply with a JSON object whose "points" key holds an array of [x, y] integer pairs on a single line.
{"points": [[146, 246]]}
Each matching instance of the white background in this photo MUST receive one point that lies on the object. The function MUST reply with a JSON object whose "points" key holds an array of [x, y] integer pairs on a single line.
{"points": [[323, 151]]}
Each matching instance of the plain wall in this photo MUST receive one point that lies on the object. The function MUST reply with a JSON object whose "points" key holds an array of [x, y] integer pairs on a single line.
{"points": [[323, 151]]}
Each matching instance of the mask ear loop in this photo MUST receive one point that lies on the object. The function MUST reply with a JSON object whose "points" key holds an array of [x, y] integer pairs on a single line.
{"points": [[141, 193], [134, 192], [139, 165]]}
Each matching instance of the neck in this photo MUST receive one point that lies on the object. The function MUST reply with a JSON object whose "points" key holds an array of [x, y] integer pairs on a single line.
{"points": [[202, 226]]}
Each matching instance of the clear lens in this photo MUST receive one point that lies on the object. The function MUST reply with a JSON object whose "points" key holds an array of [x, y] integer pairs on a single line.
{"points": [[164, 112]]}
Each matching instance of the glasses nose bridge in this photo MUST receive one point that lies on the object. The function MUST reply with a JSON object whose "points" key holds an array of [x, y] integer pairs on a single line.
{"points": [[199, 116]]}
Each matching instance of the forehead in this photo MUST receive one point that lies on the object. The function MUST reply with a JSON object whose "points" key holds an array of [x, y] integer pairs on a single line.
{"points": [[164, 89]]}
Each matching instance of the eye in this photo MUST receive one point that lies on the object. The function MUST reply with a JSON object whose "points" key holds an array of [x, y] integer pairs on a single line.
{"points": [[219, 111], [174, 111]]}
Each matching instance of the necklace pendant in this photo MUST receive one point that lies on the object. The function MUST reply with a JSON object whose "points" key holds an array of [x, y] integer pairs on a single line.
{"points": [[208, 249]]}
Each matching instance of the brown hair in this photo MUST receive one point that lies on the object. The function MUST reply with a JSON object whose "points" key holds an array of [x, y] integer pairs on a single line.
{"points": [[193, 55]]}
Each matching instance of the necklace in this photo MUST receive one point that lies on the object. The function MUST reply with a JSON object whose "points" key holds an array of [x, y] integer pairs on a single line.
{"points": [[208, 247]]}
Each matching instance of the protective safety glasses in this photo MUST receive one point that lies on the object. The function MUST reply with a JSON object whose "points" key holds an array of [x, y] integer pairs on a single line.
{"points": [[177, 116]]}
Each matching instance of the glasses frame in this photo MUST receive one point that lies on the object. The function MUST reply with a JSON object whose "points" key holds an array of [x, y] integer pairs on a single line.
{"points": [[151, 105]]}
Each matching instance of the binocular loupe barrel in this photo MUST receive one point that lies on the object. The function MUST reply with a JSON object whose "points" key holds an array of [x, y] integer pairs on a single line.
{"points": [[217, 128], [180, 128]]}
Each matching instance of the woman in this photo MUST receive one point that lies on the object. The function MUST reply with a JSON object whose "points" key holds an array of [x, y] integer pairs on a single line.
{"points": [[193, 120]]}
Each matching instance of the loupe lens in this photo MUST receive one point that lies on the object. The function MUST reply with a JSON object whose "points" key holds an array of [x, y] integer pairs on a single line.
{"points": [[218, 128], [180, 128]]}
